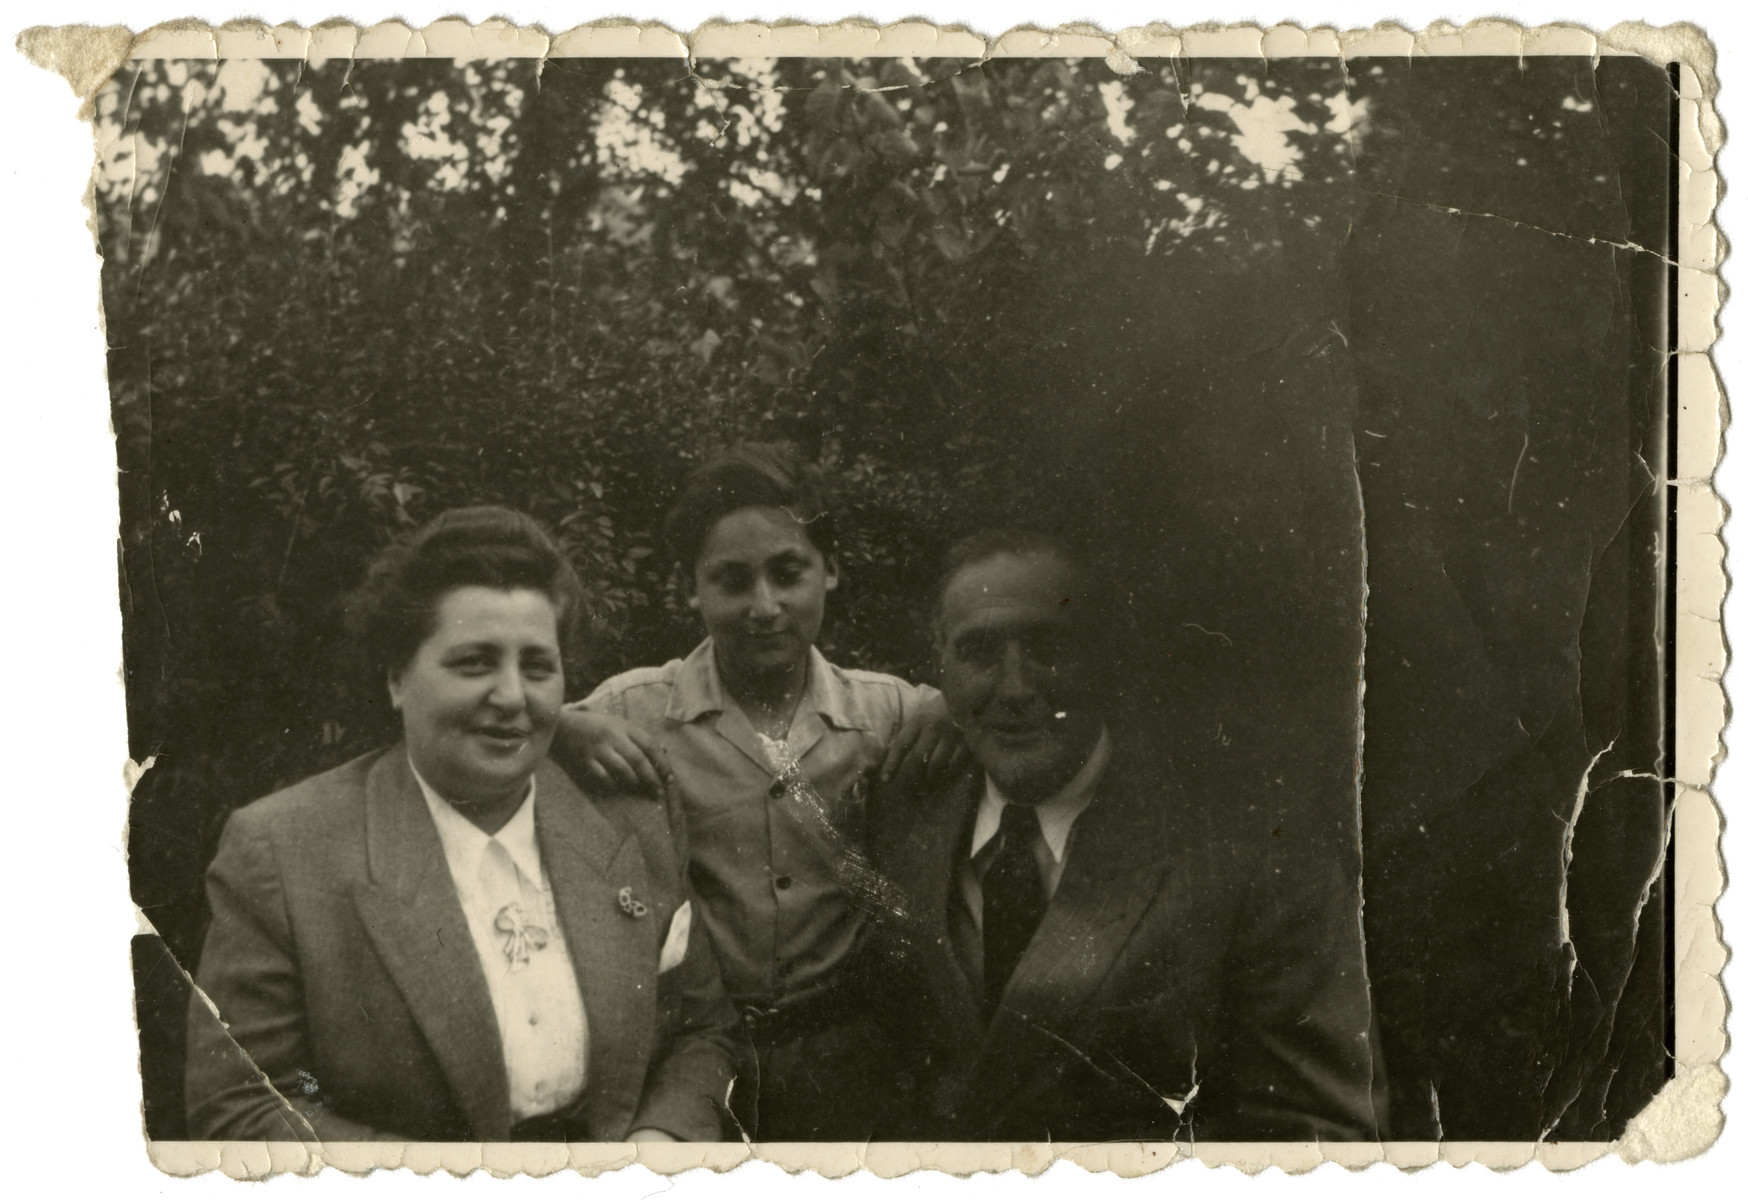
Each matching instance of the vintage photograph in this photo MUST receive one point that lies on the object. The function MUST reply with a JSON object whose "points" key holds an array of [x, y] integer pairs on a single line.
{"points": [[922, 598]]}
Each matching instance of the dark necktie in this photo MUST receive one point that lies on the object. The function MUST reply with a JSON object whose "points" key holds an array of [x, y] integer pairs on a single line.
{"points": [[1013, 901]]}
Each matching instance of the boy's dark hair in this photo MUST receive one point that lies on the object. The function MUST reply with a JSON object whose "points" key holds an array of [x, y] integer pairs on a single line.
{"points": [[748, 475], [393, 612]]}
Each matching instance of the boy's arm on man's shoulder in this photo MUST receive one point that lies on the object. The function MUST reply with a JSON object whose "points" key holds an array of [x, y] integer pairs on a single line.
{"points": [[925, 746], [892, 697]]}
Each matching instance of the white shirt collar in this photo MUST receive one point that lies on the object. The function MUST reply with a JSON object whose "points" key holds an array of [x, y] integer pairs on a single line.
{"points": [[1056, 815], [464, 842]]}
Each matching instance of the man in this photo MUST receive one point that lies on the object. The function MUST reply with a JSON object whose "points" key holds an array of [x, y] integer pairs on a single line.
{"points": [[1085, 951]]}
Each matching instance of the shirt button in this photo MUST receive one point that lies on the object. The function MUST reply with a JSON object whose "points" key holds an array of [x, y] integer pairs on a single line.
{"points": [[783, 882], [777, 790], [534, 1018]]}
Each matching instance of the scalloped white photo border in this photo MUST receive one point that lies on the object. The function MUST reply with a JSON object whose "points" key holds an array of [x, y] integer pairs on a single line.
{"points": [[1686, 1116]]}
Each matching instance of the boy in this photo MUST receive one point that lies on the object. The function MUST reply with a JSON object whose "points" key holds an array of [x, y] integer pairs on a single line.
{"points": [[771, 748]]}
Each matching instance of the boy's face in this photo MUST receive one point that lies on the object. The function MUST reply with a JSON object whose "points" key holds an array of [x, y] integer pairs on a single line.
{"points": [[760, 585]]}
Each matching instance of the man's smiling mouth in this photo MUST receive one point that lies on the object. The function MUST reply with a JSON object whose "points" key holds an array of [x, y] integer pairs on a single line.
{"points": [[1016, 731]]}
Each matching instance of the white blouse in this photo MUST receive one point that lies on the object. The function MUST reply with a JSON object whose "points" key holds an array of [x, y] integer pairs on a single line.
{"points": [[510, 912]]}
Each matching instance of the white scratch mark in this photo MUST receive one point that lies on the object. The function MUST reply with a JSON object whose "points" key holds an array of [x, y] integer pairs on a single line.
{"points": [[1511, 496], [1209, 632], [1571, 824], [1359, 776], [1656, 872]]}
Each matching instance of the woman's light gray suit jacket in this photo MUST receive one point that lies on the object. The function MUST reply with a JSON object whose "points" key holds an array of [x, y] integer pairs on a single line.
{"points": [[352, 999]]}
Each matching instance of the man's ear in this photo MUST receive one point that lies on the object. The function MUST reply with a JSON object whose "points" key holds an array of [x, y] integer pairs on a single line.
{"points": [[394, 689], [831, 573]]}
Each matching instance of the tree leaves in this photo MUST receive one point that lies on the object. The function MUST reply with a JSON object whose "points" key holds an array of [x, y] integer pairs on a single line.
{"points": [[345, 296]]}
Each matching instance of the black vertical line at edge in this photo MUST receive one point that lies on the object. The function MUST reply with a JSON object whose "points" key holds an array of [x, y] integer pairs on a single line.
{"points": [[1671, 494]]}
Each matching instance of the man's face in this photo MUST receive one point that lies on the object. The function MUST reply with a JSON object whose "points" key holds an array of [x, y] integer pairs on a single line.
{"points": [[1015, 671]]}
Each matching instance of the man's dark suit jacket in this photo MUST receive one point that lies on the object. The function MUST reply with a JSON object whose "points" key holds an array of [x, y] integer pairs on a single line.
{"points": [[341, 961], [1193, 977]]}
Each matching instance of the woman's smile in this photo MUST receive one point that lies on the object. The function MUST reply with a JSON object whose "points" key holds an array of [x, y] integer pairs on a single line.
{"points": [[506, 738]]}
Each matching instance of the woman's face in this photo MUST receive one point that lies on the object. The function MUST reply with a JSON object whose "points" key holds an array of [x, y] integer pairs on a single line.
{"points": [[480, 696], [760, 585]]}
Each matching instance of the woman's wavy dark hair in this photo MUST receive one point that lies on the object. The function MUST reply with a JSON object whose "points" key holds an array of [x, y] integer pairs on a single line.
{"points": [[748, 475], [395, 609]]}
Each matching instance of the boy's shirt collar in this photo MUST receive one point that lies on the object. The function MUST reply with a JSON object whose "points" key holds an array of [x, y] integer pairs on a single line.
{"points": [[698, 691]]}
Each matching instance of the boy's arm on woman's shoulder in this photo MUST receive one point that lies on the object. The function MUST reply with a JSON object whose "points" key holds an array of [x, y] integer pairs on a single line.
{"points": [[600, 743], [608, 697]]}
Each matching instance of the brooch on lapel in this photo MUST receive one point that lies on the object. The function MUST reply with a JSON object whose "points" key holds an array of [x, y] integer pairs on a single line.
{"points": [[522, 937], [630, 905]]}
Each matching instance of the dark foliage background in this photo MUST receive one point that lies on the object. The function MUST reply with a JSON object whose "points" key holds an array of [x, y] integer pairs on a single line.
{"points": [[1330, 363]]}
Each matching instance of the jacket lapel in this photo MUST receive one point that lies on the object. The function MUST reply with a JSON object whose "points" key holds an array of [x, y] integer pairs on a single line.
{"points": [[923, 857], [589, 861], [1117, 858], [414, 919]]}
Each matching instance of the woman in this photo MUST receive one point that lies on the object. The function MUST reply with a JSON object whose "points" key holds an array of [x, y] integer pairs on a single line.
{"points": [[445, 940], [771, 748]]}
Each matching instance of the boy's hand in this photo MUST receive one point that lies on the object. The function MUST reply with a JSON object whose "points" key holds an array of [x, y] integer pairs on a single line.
{"points": [[610, 753], [927, 748]]}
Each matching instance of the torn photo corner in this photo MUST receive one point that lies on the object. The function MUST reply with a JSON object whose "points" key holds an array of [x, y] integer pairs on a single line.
{"points": [[1353, 390]]}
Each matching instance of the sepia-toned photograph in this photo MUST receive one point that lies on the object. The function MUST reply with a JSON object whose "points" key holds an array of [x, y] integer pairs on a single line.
{"points": [[1040, 597]]}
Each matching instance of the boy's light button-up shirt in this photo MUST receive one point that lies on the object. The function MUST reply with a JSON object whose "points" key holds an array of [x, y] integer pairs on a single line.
{"points": [[767, 880]]}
